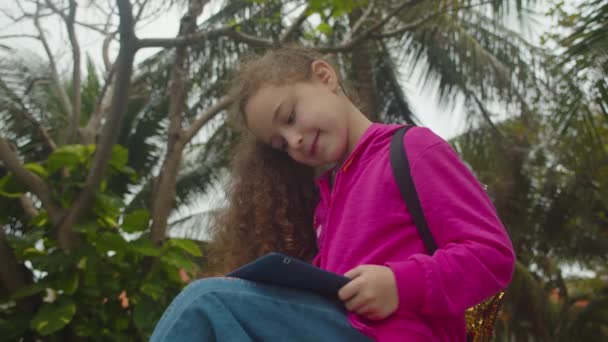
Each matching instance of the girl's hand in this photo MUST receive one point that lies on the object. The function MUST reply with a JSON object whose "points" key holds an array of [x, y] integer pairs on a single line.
{"points": [[372, 292]]}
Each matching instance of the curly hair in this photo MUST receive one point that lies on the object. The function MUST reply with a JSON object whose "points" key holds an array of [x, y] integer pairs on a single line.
{"points": [[271, 198]]}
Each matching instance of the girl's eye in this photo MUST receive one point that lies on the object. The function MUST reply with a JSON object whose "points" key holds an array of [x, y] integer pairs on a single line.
{"points": [[291, 118]]}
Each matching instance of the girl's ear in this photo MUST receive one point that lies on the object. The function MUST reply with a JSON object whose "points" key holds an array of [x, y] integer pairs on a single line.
{"points": [[323, 73]]}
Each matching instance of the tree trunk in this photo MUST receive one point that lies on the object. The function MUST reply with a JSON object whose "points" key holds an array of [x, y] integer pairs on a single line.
{"points": [[165, 188], [363, 77]]}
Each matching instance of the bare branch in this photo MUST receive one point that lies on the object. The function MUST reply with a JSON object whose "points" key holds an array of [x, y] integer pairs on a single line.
{"points": [[164, 192], [362, 19], [61, 12], [296, 24], [41, 130], [222, 104], [194, 38], [76, 73], [63, 96], [410, 26], [36, 185], [486, 114], [140, 11], [111, 129], [92, 27], [353, 41], [106, 50], [9, 36], [28, 206], [101, 109], [249, 39]]}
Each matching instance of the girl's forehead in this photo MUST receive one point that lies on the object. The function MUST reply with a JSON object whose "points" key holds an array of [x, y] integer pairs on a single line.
{"points": [[265, 99], [262, 109]]}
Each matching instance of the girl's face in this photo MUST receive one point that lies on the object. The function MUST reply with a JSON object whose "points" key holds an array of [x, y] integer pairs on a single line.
{"points": [[309, 120]]}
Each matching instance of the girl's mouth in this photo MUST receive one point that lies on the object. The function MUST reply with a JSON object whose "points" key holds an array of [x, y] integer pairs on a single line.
{"points": [[313, 147]]}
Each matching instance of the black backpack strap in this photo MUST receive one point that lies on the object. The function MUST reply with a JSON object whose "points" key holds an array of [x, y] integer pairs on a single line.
{"points": [[403, 177]]}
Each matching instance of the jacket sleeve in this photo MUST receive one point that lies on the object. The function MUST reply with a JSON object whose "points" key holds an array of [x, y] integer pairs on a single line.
{"points": [[475, 256]]}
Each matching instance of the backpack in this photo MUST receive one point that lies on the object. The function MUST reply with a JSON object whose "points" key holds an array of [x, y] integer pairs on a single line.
{"points": [[480, 318]]}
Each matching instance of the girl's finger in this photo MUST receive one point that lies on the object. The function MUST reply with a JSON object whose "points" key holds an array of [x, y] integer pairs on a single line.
{"points": [[349, 290], [354, 273], [356, 304]]}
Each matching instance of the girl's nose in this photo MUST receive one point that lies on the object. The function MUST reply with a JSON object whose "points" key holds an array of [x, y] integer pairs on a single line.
{"points": [[295, 140]]}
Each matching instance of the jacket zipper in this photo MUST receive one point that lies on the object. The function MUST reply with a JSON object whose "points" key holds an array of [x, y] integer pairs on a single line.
{"points": [[332, 196]]}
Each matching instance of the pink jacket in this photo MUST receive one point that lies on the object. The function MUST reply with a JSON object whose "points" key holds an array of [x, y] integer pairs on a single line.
{"points": [[364, 220]]}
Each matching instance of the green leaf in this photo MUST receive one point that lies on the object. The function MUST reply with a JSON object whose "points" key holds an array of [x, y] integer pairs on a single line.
{"points": [[28, 291], [145, 315], [317, 5], [189, 246], [119, 158], [54, 316], [31, 252], [136, 221], [109, 242], [69, 282], [155, 291], [10, 187], [107, 207], [86, 227], [178, 260], [14, 328], [144, 246], [37, 169], [324, 28], [68, 156], [41, 219]]}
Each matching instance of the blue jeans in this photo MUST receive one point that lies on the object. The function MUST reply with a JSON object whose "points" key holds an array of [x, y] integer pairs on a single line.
{"points": [[229, 309]]}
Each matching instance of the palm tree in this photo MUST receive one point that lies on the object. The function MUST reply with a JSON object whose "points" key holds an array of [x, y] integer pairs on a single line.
{"points": [[465, 46]]}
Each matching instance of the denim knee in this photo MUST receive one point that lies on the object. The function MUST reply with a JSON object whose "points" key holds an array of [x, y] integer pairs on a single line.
{"points": [[206, 285]]}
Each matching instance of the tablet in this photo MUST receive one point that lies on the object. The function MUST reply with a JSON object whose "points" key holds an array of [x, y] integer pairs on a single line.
{"points": [[280, 269]]}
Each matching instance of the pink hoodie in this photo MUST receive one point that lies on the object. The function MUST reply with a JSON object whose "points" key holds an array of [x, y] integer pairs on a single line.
{"points": [[364, 220]]}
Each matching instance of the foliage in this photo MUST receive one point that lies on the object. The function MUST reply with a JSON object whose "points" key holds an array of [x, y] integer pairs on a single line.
{"points": [[116, 283]]}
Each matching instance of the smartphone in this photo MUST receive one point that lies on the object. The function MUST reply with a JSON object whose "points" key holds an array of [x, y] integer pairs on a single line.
{"points": [[282, 270]]}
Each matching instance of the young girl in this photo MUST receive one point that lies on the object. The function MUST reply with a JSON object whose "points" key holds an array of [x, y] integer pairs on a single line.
{"points": [[299, 119]]}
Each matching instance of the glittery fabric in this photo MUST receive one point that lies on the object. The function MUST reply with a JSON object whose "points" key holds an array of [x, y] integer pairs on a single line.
{"points": [[482, 317]]}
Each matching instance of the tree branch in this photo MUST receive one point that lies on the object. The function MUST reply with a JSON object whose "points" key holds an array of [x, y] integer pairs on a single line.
{"points": [[348, 44], [36, 185], [63, 96], [54, 9], [296, 24], [76, 73], [164, 192], [21, 35], [486, 115], [41, 129], [111, 129], [90, 130], [222, 104], [443, 9], [101, 108], [228, 31], [362, 19], [91, 27], [28, 206], [410, 26]]}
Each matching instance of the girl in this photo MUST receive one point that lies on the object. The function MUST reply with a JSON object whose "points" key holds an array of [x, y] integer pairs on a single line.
{"points": [[299, 119]]}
